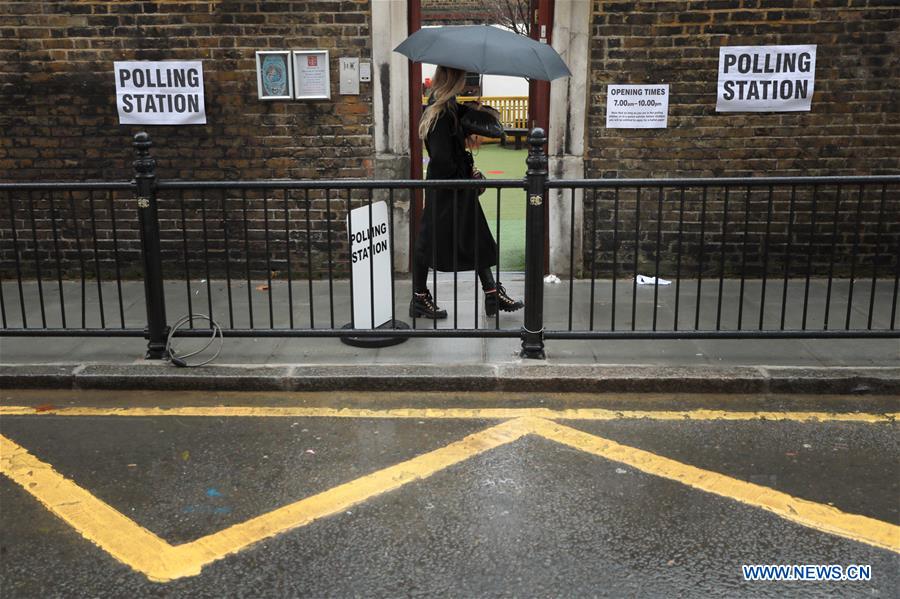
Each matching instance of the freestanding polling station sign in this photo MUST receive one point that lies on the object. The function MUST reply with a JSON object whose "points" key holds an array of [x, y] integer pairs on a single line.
{"points": [[370, 262]]}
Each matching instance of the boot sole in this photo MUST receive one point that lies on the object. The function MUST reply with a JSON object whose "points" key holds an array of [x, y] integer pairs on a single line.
{"points": [[493, 310], [413, 314], [494, 313]]}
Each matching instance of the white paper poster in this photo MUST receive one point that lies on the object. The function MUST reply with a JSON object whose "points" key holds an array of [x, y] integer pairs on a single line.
{"points": [[766, 78], [167, 92], [637, 106], [370, 260]]}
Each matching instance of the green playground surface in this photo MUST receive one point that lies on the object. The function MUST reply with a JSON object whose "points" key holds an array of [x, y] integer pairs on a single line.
{"points": [[497, 162]]}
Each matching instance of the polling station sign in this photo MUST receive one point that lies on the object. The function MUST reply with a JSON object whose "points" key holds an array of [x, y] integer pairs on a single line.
{"points": [[168, 92], [766, 78], [370, 260]]}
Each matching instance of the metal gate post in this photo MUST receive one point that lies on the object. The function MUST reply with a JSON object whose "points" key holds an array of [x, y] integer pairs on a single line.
{"points": [[535, 227], [145, 180]]}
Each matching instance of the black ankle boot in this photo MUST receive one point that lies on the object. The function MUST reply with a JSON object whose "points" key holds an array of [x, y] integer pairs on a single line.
{"points": [[422, 306], [497, 299]]}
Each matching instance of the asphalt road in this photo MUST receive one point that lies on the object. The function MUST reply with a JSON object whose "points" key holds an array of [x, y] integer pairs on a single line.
{"points": [[290, 498]]}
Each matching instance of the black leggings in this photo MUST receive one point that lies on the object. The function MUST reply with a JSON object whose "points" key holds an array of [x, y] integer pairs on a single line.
{"points": [[420, 278]]}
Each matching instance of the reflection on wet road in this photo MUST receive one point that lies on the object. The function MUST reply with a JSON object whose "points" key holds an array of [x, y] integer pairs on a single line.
{"points": [[287, 497]]}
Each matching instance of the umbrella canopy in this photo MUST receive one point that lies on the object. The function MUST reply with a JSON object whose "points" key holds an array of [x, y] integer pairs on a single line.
{"points": [[484, 49]]}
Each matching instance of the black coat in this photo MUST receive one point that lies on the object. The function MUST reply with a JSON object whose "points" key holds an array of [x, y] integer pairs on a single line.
{"points": [[439, 241]]}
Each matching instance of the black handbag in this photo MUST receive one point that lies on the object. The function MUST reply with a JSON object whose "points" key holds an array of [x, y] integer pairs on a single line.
{"points": [[478, 121]]}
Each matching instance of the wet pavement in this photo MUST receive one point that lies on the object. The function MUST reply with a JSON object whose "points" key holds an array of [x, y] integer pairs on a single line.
{"points": [[493, 496], [719, 352]]}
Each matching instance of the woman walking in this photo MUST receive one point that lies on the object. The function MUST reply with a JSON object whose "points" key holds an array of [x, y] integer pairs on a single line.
{"points": [[446, 243]]}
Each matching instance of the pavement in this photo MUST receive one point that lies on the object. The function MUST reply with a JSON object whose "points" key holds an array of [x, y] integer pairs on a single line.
{"points": [[869, 365], [265, 494]]}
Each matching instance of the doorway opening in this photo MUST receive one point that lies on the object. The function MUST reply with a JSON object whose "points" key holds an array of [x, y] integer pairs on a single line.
{"points": [[522, 105]]}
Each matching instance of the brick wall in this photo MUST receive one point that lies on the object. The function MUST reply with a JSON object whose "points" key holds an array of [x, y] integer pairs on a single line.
{"points": [[457, 12], [58, 118], [205, 233], [58, 121], [852, 129], [854, 124]]}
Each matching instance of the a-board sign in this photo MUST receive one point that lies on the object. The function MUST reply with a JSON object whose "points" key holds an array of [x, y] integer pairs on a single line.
{"points": [[370, 261], [637, 106], [766, 78], [165, 92]]}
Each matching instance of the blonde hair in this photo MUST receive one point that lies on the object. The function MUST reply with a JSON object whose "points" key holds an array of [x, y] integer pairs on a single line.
{"points": [[446, 84]]}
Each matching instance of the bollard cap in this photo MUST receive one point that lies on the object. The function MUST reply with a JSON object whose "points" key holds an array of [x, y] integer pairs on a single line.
{"points": [[537, 137]]}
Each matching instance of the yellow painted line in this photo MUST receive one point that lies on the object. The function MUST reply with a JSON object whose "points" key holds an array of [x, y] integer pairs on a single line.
{"points": [[96, 521], [158, 560], [235, 538], [807, 513], [597, 414], [145, 552]]}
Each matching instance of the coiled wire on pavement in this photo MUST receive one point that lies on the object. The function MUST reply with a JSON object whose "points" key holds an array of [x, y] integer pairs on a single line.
{"points": [[180, 360]]}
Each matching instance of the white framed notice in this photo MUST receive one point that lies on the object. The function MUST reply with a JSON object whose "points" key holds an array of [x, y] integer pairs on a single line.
{"points": [[766, 78], [273, 75], [312, 79], [164, 92], [637, 106]]}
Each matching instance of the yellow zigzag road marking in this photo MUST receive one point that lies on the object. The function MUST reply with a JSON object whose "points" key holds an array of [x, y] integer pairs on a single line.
{"points": [[142, 550], [94, 519], [807, 513], [132, 544], [461, 413]]}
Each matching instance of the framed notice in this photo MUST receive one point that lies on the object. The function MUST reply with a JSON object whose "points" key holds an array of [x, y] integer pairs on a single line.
{"points": [[273, 75], [312, 80]]}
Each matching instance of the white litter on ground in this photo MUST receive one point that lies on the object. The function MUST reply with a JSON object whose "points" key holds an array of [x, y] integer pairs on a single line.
{"points": [[553, 279], [645, 280]]}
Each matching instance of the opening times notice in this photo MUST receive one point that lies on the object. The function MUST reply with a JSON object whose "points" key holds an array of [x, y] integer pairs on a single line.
{"points": [[637, 106]]}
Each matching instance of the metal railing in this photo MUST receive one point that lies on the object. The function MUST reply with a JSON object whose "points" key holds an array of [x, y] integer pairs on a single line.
{"points": [[810, 257], [53, 251], [773, 257]]}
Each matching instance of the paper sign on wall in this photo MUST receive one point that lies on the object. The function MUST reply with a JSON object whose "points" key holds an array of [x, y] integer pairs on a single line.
{"points": [[766, 78], [637, 106], [370, 260], [167, 92]]}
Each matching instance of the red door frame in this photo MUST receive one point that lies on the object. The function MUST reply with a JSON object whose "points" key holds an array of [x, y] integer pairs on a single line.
{"points": [[417, 202], [541, 12]]}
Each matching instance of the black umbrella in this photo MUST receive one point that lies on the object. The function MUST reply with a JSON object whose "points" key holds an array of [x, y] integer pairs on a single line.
{"points": [[484, 49]]}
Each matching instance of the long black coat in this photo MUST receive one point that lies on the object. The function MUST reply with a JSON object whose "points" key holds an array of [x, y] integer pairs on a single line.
{"points": [[438, 239]]}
